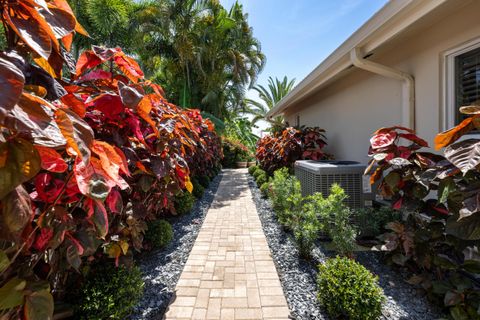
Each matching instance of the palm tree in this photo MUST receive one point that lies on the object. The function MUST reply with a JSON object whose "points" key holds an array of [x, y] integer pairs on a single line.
{"points": [[270, 97], [107, 22]]}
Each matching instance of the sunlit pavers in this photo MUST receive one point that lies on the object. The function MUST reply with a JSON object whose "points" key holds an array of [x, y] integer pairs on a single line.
{"points": [[230, 273]]}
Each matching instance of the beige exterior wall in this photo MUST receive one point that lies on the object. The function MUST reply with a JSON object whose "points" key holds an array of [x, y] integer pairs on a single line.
{"points": [[361, 102]]}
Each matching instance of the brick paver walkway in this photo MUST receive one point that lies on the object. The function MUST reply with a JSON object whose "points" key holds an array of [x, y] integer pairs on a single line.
{"points": [[230, 273]]}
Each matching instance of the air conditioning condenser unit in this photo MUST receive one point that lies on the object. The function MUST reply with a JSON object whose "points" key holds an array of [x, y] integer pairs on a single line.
{"points": [[319, 176]]}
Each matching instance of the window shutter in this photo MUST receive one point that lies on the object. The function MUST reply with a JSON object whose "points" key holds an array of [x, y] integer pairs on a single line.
{"points": [[467, 81]]}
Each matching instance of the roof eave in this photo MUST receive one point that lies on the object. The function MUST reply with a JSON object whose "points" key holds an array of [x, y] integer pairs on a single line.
{"points": [[387, 23]]}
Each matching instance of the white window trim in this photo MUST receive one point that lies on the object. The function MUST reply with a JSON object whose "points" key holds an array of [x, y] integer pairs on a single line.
{"points": [[448, 103]]}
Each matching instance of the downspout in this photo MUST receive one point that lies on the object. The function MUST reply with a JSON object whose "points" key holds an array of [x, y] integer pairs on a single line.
{"points": [[408, 88]]}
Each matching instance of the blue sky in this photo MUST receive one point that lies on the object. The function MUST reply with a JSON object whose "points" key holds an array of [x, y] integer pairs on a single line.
{"points": [[297, 35]]}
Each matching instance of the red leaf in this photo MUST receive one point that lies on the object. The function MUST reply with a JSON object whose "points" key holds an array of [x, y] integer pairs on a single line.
{"points": [[42, 239], [134, 124], [124, 164], [51, 160], [110, 105], [87, 60], [91, 179], [48, 188], [114, 201], [98, 74], [98, 215], [398, 204], [383, 140], [76, 243], [414, 138]]}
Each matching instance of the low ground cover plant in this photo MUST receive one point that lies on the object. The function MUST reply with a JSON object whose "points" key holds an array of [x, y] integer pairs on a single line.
{"points": [[109, 292], [184, 202], [437, 239], [372, 222], [198, 189], [348, 289], [159, 233], [283, 149], [252, 169]]}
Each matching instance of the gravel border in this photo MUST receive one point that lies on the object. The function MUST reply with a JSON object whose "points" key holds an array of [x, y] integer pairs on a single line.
{"points": [[162, 268], [298, 276]]}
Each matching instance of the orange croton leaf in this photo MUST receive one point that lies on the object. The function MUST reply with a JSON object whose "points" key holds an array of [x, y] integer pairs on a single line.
{"points": [[129, 67], [377, 174], [51, 160], [110, 161], [144, 108], [448, 137], [77, 133], [75, 103]]}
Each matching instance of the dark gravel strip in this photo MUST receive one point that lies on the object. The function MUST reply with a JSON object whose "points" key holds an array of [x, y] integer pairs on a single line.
{"points": [[298, 276], [161, 269]]}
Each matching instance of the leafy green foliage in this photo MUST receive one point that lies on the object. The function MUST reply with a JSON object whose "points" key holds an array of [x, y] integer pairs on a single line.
{"points": [[261, 178], [204, 181], [159, 233], [204, 54], [264, 188], [372, 222], [304, 222], [252, 169], [240, 129], [348, 289], [184, 202], [270, 97], [336, 218], [198, 189], [283, 188], [109, 292]]}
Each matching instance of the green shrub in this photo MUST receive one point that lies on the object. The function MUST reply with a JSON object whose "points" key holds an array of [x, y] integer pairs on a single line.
{"points": [[304, 222], [198, 189], [252, 169], [184, 202], [264, 188], [109, 292], [284, 191], [336, 220], [159, 233], [204, 181], [258, 172], [348, 289], [262, 178], [371, 222]]}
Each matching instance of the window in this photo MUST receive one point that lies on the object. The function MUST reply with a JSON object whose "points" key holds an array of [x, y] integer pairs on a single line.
{"points": [[297, 121], [467, 81], [461, 81]]}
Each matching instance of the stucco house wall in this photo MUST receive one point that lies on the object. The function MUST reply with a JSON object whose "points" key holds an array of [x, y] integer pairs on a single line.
{"points": [[359, 102]]}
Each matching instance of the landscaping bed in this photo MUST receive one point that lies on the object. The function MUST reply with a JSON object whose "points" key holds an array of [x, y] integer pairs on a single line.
{"points": [[162, 268], [299, 276]]}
